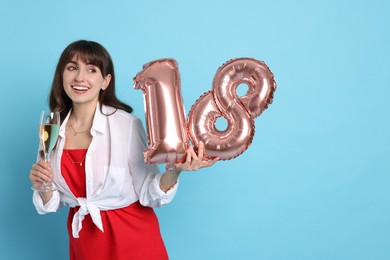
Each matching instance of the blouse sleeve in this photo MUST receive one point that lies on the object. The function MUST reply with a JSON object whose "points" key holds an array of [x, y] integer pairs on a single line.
{"points": [[51, 206], [146, 177]]}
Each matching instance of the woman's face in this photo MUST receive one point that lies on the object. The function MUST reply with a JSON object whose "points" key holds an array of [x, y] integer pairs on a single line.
{"points": [[83, 82]]}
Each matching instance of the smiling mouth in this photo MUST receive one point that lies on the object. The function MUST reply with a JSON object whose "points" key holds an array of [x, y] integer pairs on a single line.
{"points": [[79, 88]]}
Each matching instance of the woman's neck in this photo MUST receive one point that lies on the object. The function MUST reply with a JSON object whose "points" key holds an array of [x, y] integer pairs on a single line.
{"points": [[82, 115]]}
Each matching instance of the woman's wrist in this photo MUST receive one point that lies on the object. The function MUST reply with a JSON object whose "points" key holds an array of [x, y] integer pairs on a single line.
{"points": [[46, 196], [173, 170], [169, 179]]}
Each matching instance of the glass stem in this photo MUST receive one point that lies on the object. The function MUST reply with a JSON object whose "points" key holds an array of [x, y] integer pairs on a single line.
{"points": [[47, 157]]}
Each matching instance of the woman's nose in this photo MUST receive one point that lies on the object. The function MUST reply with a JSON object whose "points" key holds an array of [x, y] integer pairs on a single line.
{"points": [[79, 75]]}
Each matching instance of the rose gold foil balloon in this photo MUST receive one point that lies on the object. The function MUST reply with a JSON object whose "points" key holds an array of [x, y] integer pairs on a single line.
{"points": [[164, 111], [239, 112]]}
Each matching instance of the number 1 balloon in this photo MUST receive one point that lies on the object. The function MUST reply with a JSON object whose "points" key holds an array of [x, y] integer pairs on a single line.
{"points": [[165, 120]]}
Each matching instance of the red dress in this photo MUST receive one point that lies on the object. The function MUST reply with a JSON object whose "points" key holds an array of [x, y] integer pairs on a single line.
{"points": [[131, 232]]}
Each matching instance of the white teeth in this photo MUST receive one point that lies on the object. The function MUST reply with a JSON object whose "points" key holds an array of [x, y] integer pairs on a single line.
{"points": [[79, 88]]}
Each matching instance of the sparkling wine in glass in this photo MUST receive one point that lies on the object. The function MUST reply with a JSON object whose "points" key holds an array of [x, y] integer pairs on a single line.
{"points": [[48, 134]]}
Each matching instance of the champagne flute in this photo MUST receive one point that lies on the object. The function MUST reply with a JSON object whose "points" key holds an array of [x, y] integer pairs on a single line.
{"points": [[48, 134]]}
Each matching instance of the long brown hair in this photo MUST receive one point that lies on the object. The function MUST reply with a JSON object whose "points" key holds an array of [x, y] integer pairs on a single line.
{"points": [[93, 53]]}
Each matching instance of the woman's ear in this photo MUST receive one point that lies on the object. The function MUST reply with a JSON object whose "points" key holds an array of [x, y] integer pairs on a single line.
{"points": [[107, 80]]}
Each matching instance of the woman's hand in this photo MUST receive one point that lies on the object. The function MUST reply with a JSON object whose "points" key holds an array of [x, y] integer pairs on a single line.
{"points": [[195, 161], [41, 174]]}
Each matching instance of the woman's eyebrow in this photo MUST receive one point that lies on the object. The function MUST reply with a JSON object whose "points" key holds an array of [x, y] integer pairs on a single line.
{"points": [[76, 63]]}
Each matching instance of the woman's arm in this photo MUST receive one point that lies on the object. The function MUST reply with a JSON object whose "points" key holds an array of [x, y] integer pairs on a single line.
{"points": [[193, 162], [169, 179]]}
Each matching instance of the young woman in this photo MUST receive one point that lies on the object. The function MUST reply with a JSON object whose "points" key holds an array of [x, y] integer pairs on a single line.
{"points": [[98, 167]]}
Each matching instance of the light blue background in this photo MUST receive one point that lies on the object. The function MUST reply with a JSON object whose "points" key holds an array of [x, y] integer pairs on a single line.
{"points": [[314, 184]]}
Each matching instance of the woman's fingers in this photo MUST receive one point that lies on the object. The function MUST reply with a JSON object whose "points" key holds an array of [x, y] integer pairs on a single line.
{"points": [[210, 162], [40, 172], [190, 155], [38, 176], [195, 161], [201, 150]]}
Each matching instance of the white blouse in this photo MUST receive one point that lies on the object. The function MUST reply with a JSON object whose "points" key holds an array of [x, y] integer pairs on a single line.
{"points": [[116, 174]]}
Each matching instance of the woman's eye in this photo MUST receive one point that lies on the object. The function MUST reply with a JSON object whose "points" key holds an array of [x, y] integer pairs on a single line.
{"points": [[92, 70], [71, 68]]}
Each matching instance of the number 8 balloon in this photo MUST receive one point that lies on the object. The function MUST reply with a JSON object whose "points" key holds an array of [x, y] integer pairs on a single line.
{"points": [[168, 134], [239, 112]]}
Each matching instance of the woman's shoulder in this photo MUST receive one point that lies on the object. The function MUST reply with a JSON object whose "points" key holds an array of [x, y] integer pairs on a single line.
{"points": [[119, 114]]}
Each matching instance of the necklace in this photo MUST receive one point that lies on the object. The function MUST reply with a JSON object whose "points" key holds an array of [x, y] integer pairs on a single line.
{"points": [[80, 162], [75, 132]]}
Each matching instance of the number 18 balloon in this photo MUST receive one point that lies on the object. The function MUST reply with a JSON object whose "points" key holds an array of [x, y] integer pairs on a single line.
{"points": [[167, 132]]}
